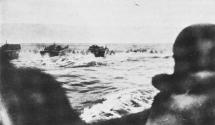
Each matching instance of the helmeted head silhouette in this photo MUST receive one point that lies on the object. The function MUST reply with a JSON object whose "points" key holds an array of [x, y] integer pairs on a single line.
{"points": [[194, 49], [187, 96]]}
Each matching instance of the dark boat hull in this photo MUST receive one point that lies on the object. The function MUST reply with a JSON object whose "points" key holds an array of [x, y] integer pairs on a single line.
{"points": [[50, 53]]}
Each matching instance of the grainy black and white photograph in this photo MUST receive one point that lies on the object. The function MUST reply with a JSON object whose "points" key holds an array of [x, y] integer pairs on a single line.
{"points": [[107, 62]]}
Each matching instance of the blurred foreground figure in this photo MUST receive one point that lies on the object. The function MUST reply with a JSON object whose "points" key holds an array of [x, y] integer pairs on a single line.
{"points": [[187, 97], [30, 97]]}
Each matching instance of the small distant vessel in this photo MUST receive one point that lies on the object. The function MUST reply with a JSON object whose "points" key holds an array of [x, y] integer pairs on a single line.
{"points": [[53, 50], [11, 50], [98, 51]]}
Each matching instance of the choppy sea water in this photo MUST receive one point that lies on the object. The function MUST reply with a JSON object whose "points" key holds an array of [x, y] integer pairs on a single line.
{"points": [[104, 88]]}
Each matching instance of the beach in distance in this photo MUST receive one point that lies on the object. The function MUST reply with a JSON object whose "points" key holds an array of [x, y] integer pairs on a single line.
{"points": [[102, 88]]}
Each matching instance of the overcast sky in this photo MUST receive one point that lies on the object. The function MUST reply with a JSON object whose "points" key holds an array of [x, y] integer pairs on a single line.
{"points": [[137, 21]]}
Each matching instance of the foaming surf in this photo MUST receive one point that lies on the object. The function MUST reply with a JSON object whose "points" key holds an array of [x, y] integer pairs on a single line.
{"points": [[119, 104]]}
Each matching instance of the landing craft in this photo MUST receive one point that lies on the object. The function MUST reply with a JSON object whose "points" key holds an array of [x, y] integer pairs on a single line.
{"points": [[11, 50], [98, 51], [54, 50]]}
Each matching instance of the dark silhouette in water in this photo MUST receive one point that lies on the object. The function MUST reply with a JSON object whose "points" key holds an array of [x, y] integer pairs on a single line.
{"points": [[53, 50], [98, 51], [11, 50], [187, 97]]}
